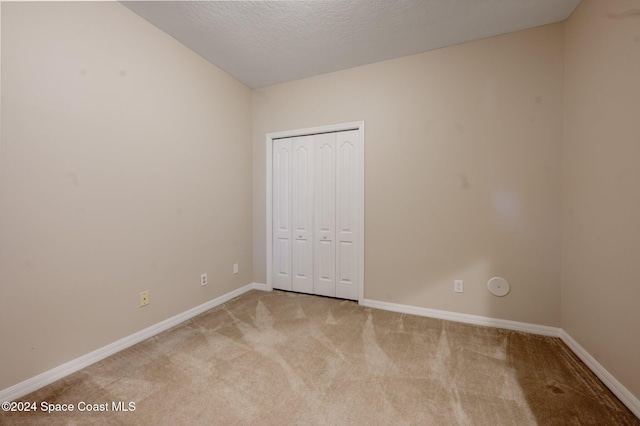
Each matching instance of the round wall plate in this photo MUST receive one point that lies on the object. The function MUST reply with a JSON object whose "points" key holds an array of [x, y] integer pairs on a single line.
{"points": [[498, 286]]}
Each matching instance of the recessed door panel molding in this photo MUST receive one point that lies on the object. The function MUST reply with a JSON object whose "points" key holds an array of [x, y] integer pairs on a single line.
{"points": [[302, 220], [324, 283], [282, 162], [346, 182], [315, 210], [346, 270], [302, 254]]}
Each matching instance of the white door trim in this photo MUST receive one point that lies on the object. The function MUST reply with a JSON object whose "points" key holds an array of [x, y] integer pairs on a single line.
{"points": [[355, 125]]}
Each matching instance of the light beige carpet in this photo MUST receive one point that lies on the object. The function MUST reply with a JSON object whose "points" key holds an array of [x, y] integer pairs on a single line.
{"points": [[289, 359]]}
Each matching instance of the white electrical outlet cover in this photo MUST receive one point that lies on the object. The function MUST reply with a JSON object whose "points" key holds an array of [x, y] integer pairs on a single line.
{"points": [[498, 286]]}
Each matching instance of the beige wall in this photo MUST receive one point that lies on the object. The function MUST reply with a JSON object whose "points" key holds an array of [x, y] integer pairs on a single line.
{"points": [[462, 170], [601, 211], [125, 165]]}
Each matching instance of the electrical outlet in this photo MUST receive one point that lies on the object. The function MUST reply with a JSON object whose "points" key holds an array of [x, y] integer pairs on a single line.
{"points": [[235, 268], [144, 298], [458, 286], [203, 279]]}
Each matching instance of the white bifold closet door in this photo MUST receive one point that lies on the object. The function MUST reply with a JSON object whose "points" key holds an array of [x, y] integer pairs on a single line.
{"points": [[315, 214], [282, 154], [302, 217]]}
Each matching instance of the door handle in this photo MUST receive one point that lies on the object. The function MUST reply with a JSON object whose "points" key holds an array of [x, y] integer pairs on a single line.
{"points": [[324, 237]]}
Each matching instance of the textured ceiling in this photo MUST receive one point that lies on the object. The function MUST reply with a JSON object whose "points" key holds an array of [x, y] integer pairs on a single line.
{"points": [[268, 42]]}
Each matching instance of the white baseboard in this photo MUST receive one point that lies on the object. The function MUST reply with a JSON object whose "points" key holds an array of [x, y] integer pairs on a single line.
{"points": [[260, 286], [465, 318], [607, 378], [57, 373]]}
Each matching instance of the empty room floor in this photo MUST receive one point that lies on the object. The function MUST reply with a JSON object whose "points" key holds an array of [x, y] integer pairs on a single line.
{"points": [[291, 359]]}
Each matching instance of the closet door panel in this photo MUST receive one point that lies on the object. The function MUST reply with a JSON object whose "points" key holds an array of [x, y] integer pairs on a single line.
{"points": [[282, 248], [302, 218], [325, 214], [347, 214]]}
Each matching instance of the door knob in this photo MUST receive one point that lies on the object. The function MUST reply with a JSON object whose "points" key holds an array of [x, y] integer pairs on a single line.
{"points": [[300, 236], [324, 237]]}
